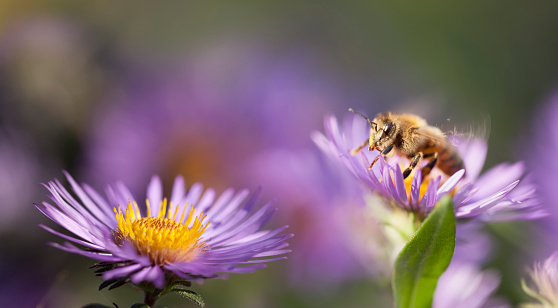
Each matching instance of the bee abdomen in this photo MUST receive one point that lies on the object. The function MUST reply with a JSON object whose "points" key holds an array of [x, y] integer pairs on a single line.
{"points": [[449, 160]]}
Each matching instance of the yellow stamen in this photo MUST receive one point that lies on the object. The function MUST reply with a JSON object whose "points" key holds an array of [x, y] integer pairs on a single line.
{"points": [[163, 239]]}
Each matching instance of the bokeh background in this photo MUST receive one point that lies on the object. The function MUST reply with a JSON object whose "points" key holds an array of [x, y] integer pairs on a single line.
{"points": [[228, 93]]}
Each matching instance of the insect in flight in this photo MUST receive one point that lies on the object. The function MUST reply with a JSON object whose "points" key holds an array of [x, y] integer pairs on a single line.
{"points": [[411, 136]]}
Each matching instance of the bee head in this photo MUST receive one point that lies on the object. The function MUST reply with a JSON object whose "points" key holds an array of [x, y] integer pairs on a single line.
{"points": [[382, 130], [382, 133]]}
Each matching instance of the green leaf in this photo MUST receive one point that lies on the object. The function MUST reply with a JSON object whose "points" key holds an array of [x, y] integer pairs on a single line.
{"points": [[424, 258], [191, 295]]}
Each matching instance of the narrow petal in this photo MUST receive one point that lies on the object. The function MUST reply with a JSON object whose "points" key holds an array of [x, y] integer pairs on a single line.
{"points": [[178, 190], [415, 189], [500, 176], [155, 194], [121, 271], [450, 184]]}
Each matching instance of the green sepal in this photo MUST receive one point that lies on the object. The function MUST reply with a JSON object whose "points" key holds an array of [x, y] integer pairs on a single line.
{"points": [[191, 295], [107, 283], [425, 258], [113, 283], [180, 283]]}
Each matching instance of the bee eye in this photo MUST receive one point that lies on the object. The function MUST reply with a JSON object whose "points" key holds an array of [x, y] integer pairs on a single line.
{"points": [[388, 128]]}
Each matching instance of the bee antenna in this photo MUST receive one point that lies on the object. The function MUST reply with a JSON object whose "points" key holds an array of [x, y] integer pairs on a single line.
{"points": [[360, 114]]}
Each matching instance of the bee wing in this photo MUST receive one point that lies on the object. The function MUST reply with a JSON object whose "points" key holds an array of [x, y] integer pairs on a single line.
{"points": [[430, 132], [479, 129], [458, 134]]}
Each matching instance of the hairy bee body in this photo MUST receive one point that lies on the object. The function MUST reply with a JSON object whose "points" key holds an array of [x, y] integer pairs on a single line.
{"points": [[410, 135]]}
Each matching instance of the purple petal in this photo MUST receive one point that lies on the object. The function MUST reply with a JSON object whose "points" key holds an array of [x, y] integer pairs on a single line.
{"points": [[220, 211], [72, 239], [400, 186], [429, 199], [463, 195], [155, 194], [91, 206], [153, 274], [193, 195], [178, 190], [93, 255], [450, 184], [121, 271], [415, 189], [473, 152], [484, 204], [206, 200], [496, 178]]}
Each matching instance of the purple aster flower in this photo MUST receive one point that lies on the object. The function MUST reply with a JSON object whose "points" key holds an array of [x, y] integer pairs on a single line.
{"points": [[502, 193], [194, 236], [544, 283]]}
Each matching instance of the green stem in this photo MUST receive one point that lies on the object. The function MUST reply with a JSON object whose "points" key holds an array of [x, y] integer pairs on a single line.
{"points": [[151, 297]]}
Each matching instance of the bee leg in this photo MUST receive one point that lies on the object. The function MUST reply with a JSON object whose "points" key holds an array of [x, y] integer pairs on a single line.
{"points": [[413, 164], [426, 169], [384, 153], [355, 151]]}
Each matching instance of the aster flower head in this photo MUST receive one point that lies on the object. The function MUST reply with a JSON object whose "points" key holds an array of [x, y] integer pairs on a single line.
{"points": [[502, 193], [544, 286], [191, 236]]}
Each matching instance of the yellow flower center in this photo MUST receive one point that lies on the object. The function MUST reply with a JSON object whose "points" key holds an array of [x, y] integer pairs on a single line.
{"points": [[162, 238]]}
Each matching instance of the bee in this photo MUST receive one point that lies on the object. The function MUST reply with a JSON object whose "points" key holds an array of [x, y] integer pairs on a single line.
{"points": [[411, 136]]}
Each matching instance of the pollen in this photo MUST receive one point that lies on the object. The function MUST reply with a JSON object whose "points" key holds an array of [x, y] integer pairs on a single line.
{"points": [[164, 239]]}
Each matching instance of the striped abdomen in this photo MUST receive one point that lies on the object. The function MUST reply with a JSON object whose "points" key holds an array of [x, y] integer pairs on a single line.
{"points": [[449, 160]]}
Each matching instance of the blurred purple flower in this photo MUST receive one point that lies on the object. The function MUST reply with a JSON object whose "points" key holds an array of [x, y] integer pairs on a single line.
{"points": [[211, 237], [335, 242], [543, 144], [18, 271], [539, 153], [465, 285], [21, 167], [543, 284], [242, 101], [502, 193]]}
